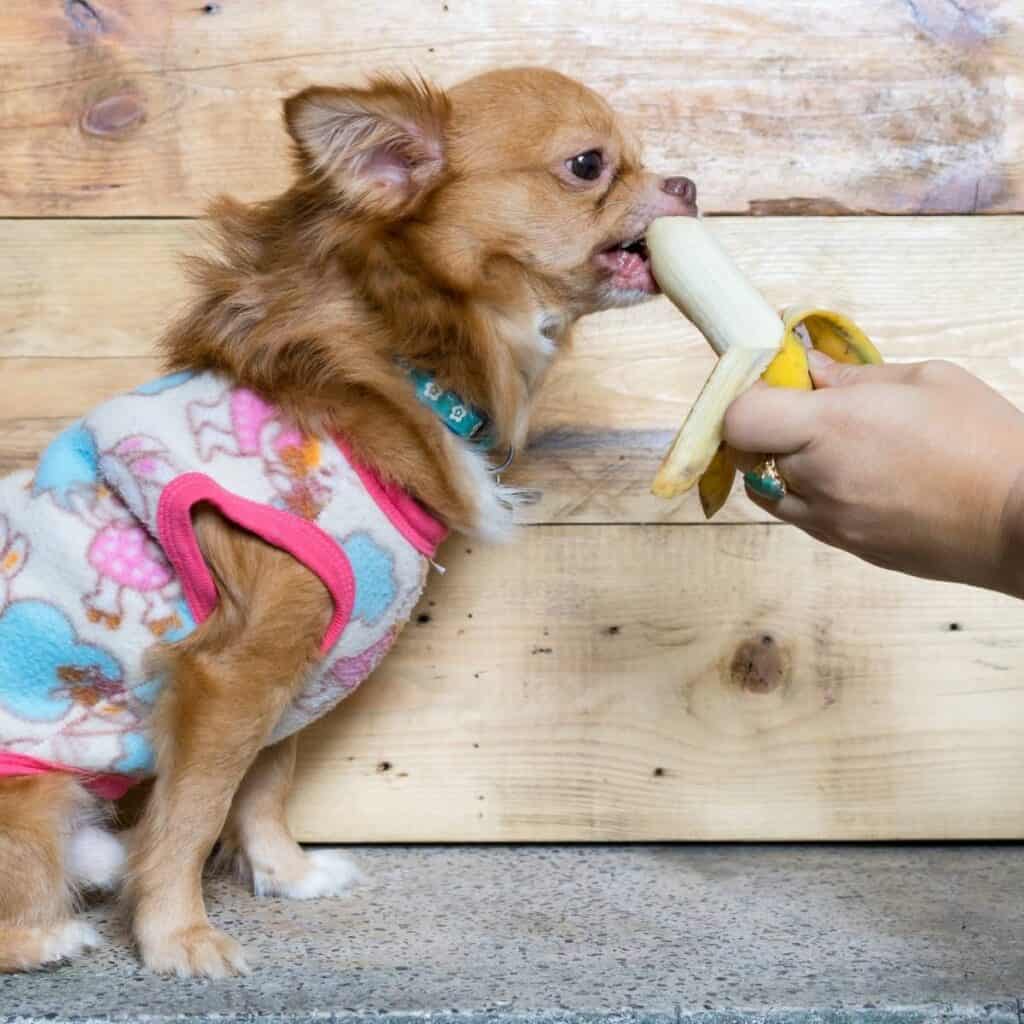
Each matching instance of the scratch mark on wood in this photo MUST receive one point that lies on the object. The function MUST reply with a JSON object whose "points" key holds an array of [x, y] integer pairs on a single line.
{"points": [[950, 22], [964, 188]]}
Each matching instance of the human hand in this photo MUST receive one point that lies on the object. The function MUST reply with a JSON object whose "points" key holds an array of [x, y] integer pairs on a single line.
{"points": [[917, 467]]}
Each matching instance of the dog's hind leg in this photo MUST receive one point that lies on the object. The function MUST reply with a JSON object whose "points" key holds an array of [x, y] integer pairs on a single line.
{"points": [[38, 816], [259, 844]]}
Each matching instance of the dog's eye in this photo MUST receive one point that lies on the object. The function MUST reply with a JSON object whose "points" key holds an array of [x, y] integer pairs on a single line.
{"points": [[587, 166]]}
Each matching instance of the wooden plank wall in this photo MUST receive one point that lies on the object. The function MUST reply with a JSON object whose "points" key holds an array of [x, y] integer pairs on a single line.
{"points": [[623, 671]]}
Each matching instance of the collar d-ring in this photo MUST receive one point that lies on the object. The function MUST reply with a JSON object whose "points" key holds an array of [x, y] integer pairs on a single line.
{"points": [[508, 461]]}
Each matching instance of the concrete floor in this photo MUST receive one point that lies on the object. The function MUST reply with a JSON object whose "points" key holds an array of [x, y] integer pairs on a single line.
{"points": [[654, 933]]}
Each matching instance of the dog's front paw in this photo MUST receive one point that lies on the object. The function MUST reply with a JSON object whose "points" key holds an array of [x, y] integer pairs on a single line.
{"points": [[328, 873], [197, 951]]}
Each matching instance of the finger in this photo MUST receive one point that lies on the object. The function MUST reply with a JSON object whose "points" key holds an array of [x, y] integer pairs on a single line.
{"points": [[767, 419], [745, 462], [789, 509], [794, 468], [827, 373]]}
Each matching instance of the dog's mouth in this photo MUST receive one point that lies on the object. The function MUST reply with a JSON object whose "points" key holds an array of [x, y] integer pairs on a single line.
{"points": [[629, 264]]}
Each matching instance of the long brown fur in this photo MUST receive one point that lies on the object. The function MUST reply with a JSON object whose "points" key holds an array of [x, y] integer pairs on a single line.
{"points": [[442, 228]]}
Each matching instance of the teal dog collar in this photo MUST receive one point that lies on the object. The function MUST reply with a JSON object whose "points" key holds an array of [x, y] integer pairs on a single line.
{"points": [[461, 418]]}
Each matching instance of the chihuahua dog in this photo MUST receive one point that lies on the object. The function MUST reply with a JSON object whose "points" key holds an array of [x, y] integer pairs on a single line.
{"points": [[197, 569]]}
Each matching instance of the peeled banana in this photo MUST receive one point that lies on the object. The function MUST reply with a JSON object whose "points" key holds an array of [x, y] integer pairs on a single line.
{"points": [[751, 340]]}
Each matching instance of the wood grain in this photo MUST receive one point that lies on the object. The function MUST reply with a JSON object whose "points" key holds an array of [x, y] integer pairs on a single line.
{"points": [[148, 107], [82, 301], [695, 683]]}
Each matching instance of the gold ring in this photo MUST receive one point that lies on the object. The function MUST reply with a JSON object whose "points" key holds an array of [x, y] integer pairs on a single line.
{"points": [[766, 480]]}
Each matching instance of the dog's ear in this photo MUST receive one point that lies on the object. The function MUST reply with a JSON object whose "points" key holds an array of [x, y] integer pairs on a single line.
{"points": [[380, 148]]}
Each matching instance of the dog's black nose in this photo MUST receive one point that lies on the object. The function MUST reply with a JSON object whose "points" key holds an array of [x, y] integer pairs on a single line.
{"points": [[682, 188]]}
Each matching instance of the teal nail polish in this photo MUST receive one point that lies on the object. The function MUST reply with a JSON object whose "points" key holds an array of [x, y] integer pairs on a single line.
{"points": [[766, 486]]}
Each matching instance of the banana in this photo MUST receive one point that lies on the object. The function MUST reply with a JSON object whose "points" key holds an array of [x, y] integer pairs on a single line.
{"points": [[750, 339]]}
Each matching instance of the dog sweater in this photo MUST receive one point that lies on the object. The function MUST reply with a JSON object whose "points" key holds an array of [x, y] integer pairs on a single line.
{"points": [[99, 564]]}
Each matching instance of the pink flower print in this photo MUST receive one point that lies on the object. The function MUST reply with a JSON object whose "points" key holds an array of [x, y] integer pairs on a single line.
{"points": [[241, 424], [231, 425], [249, 415], [141, 467], [125, 558], [341, 679]]}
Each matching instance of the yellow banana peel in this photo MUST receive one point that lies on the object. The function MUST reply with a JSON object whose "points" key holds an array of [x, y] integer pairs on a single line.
{"points": [[704, 284]]}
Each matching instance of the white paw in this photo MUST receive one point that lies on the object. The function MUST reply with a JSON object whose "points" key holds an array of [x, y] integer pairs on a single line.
{"points": [[329, 873], [198, 951], [69, 940], [95, 858]]}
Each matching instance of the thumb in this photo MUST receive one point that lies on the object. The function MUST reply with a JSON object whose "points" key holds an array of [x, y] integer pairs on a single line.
{"points": [[827, 373]]}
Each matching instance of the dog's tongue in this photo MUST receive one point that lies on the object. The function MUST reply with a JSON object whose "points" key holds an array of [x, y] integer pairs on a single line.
{"points": [[630, 270]]}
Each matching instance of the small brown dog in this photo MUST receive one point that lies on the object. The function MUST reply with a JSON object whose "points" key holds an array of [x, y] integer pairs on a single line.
{"points": [[435, 244]]}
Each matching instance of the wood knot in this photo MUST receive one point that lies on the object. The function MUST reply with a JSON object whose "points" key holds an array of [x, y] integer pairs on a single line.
{"points": [[113, 115], [759, 665], [83, 16]]}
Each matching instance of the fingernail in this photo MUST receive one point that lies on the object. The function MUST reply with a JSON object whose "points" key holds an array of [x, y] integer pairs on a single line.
{"points": [[764, 485], [818, 360]]}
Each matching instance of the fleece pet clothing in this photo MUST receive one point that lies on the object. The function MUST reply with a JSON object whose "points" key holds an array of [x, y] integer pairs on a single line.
{"points": [[99, 563]]}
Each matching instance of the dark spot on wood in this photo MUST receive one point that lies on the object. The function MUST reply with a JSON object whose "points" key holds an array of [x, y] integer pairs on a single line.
{"points": [[430, 49], [481, 798], [470, 615], [613, 630], [114, 115], [211, 8], [384, 766], [476, 746], [658, 773], [469, 551], [955, 627], [403, 775], [83, 16], [423, 618], [798, 206], [431, 603], [759, 666], [541, 650]]}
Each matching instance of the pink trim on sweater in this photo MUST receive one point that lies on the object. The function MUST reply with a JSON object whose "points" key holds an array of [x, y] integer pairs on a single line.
{"points": [[422, 530], [107, 786], [301, 538]]}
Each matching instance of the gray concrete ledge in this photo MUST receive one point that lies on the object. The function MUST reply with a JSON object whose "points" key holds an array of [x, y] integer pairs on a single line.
{"points": [[935, 1014], [596, 935]]}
